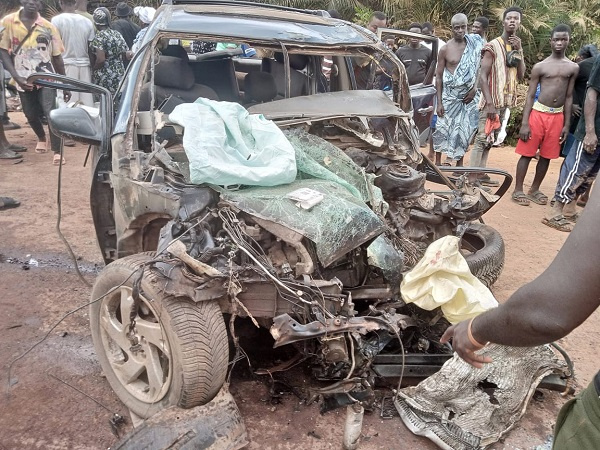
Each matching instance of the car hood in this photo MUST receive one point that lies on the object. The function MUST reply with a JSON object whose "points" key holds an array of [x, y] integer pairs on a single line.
{"points": [[331, 105]]}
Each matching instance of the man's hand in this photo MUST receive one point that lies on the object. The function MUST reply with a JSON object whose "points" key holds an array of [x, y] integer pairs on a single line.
{"points": [[525, 132], [66, 96], [440, 110], [24, 84], [490, 110], [590, 142], [515, 42], [470, 96], [563, 135], [576, 110], [463, 346]]}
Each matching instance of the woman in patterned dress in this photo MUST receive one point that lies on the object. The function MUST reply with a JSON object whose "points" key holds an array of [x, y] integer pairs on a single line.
{"points": [[107, 51]]}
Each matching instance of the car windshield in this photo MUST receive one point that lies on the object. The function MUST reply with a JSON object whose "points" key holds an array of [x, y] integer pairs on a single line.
{"points": [[250, 72]]}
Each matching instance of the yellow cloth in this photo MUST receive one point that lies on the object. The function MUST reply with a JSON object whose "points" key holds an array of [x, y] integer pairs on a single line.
{"points": [[547, 109], [442, 279]]}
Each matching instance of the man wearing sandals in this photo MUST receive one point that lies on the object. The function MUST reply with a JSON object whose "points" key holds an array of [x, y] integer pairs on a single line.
{"points": [[502, 66], [31, 44], [545, 124], [581, 165]]}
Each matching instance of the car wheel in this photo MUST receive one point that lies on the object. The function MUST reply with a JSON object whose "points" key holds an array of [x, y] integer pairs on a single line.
{"points": [[483, 248], [182, 351]]}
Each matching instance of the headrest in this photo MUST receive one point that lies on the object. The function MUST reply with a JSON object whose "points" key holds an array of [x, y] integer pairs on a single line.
{"points": [[297, 62], [172, 72], [260, 86], [175, 50]]}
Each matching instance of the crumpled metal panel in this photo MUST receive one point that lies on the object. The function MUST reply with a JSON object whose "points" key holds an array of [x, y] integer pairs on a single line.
{"points": [[337, 225], [218, 425], [462, 407]]}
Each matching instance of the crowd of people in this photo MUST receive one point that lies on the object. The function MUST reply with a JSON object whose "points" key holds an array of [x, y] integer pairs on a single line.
{"points": [[475, 79], [476, 86], [87, 47]]}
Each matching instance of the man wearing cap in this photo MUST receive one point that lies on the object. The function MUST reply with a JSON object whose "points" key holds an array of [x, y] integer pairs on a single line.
{"points": [[76, 32], [124, 25], [31, 44]]}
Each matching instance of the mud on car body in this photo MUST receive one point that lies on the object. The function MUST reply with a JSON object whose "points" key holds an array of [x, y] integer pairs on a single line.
{"points": [[184, 259]]}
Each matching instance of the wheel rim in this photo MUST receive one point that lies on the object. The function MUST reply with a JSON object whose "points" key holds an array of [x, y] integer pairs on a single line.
{"points": [[144, 370]]}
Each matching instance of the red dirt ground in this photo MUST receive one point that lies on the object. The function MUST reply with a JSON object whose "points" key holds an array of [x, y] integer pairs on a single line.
{"points": [[41, 412]]}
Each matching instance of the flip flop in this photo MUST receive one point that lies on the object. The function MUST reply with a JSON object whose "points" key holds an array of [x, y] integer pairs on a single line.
{"points": [[581, 203], [40, 147], [56, 160], [573, 218], [9, 154], [17, 148], [520, 198], [538, 197], [559, 223], [7, 202]]}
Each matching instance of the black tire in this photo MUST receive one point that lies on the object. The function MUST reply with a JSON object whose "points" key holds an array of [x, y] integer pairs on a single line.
{"points": [[483, 248], [185, 348]]}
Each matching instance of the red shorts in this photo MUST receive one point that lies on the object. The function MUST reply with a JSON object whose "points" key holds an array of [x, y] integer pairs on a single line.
{"points": [[545, 135]]}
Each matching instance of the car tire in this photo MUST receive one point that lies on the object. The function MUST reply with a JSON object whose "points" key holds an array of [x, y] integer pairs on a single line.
{"points": [[483, 248], [183, 352]]}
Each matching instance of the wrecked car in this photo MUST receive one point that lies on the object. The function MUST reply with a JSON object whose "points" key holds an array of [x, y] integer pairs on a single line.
{"points": [[318, 261]]}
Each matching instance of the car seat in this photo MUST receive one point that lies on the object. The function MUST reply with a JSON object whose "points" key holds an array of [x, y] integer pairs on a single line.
{"points": [[260, 88], [298, 80], [173, 80]]}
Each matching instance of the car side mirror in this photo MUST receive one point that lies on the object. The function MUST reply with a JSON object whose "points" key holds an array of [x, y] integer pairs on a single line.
{"points": [[76, 124]]}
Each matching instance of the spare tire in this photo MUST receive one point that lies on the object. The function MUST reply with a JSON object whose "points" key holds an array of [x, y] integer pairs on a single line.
{"points": [[483, 248]]}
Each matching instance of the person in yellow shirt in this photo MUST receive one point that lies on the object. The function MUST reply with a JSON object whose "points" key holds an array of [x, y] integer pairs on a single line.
{"points": [[31, 44]]}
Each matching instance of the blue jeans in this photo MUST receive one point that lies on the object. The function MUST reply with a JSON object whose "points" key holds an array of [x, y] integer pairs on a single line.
{"points": [[577, 173]]}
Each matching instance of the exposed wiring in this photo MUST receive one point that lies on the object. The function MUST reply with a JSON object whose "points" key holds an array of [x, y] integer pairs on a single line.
{"points": [[115, 420], [403, 361], [80, 391], [73, 311], [58, 219], [352, 356]]}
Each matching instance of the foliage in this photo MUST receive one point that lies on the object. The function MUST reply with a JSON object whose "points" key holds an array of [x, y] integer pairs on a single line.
{"points": [[539, 17]]}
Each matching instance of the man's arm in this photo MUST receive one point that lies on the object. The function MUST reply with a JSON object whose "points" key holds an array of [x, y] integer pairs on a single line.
{"points": [[58, 64], [521, 69], [439, 80], [568, 105], [590, 140], [431, 62], [484, 83], [525, 131], [8, 65], [549, 307]]}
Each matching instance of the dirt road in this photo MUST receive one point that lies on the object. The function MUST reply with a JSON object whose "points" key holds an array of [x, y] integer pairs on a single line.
{"points": [[42, 412]]}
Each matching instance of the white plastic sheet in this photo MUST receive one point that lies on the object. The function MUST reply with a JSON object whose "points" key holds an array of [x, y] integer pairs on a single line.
{"points": [[226, 146], [442, 279]]}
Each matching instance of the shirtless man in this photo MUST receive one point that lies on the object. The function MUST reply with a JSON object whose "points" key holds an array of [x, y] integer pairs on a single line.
{"points": [[456, 84], [545, 123]]}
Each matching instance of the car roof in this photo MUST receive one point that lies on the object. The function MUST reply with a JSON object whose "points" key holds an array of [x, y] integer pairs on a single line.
{"points": [[255, 21]]}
